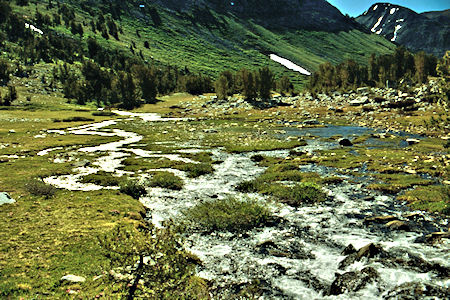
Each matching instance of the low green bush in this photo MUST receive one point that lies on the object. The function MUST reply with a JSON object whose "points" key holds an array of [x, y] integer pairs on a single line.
{"points": [[38, 187], [104, 113], [167, 180], [197, 170], [133, 188], [298, 194], [227, 214], [102, 178], [78, 119]]}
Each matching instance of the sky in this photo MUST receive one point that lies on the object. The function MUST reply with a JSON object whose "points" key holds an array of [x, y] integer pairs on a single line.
{"points": [[355, 8]]}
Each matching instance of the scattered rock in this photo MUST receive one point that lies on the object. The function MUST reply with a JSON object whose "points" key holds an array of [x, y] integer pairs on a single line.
{"points": [[359, 102], [416, 290], [369, 251], [362, 90], [380, 219], [436, 237], [73, 278], [345, 142], [311, 122], [397, 225], [412, 141], [353, 281]]}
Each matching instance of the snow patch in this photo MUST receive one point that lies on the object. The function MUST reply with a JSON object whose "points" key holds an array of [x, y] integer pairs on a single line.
{"points": [[379, 31], [400, 20], [393, 10], [288, 64], [397, 28], [33, 28], [377, 24], [375, 7]]}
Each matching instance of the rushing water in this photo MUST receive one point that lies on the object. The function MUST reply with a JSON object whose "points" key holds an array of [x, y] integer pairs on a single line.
{"points": [[298, 255]]}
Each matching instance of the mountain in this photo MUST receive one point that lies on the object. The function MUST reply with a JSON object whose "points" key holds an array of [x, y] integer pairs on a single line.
{"points": [[429, 32], [213, 35], [282, 14], [205, 36]]}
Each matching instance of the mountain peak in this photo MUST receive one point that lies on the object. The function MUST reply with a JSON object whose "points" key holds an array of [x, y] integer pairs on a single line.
{"points": [[406, 27]]}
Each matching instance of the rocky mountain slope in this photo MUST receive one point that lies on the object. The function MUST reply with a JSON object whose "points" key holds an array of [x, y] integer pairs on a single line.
{"points": [[281, 14], [429, 32]]}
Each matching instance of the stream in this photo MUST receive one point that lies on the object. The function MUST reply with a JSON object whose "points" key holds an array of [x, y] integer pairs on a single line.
{"points": [[300, 255]]}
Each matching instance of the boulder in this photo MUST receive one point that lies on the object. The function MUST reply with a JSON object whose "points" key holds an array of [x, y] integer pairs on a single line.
{"points": [[73, 278], [353, 281], [369, 251], [412, 141], [380, 219], [5, 198], [350, 249], [436, 237], [345, 142], [397, 225]]}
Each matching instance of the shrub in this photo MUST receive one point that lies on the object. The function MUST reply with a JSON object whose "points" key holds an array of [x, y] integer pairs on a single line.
{"points": [[227, 214], [151, 264], [101, 178], [197, 170], [133, 188], [103, 113], [78, 119], [298, 194], [167, 180], [38, 187], [249, 186]]}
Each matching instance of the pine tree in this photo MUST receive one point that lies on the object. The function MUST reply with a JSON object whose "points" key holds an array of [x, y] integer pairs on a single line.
{"points": [[222, 87], [265, 83]]}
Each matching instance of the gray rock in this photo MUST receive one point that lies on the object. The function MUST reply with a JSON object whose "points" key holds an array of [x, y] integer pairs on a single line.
{"points": [[369, 251], [311, 122], [353, 281], [6, 199], [412, 141], [362, 90], [397, 225], [345, 142], [73, 278], [359, 101], [415, 290]]}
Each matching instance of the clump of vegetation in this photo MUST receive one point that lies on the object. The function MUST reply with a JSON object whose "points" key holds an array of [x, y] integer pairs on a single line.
{"points": [[166, 180], [305, 188], [298, 194], [228, 214], [197, 170], [37, 187], [103, 113], [434, 198], [398, 182], [102, 178], [133, 188], [167, 272]]}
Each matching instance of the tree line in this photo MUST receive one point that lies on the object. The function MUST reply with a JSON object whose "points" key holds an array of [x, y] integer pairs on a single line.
{"points": [[251, 84], [388, 69]]}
